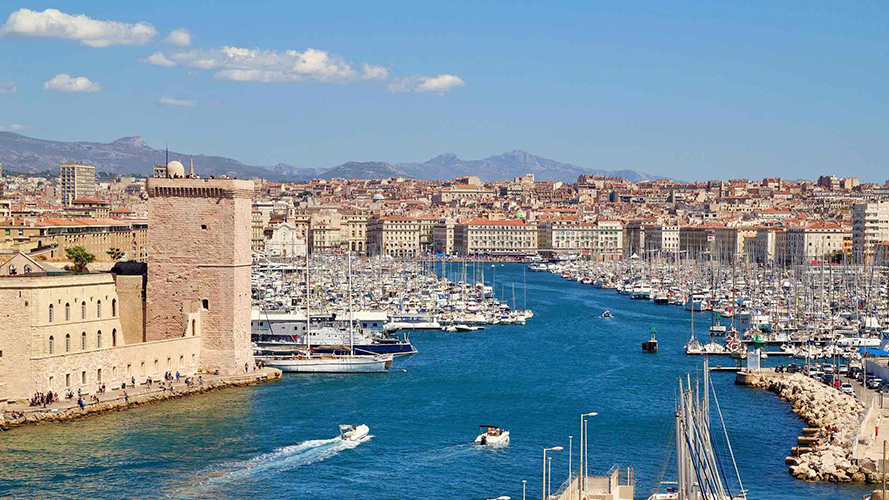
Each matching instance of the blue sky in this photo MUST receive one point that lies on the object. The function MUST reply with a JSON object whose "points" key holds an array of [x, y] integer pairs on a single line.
{"points": [[685, 89]]}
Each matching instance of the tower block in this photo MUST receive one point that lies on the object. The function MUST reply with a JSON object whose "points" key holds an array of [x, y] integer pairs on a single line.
{"points": [[199, 265]]}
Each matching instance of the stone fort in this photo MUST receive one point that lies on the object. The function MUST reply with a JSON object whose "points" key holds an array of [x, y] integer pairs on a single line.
{"points": [[188, 312]]}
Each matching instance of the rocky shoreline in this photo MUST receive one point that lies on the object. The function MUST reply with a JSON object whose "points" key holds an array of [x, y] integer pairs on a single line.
{"points": [[824, 451], [121, 404]]}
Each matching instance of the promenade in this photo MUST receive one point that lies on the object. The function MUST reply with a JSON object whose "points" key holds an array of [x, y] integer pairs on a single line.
{"points": [[117, 399]]}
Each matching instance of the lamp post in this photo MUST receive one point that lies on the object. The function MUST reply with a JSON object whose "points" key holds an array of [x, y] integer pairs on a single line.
{"points": [[570, 438], [524, 483], [549, 477], [543, 488], [580, 478]]}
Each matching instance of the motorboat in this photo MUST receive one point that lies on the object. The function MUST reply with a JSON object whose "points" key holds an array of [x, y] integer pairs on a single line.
{"points": [[353, 432], [606, 314], [465, 328], [492, 436]]}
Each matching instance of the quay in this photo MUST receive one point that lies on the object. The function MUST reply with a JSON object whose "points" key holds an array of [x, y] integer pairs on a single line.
{"points": [[66, 410]]}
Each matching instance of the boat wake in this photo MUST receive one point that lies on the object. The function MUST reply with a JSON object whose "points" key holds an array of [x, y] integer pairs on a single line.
{"points": [[267, 464]]}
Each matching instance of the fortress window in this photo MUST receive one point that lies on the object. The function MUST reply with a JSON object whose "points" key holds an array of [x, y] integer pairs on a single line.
{"points": [[113, 308], [83, 310], [50, 313], [205, 303], [99, 339], [114, 337], [98, 309], [83, 341], [51, 344], [67, 311], [203, 226], [68, 343]]}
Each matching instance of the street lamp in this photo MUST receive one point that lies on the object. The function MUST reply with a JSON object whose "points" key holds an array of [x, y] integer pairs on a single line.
{"points": [[554, 448], [570, 438], [580, 478], [524, 483]]}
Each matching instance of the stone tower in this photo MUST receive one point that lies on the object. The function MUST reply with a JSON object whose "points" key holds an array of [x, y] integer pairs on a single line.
{"points": [[199, 238]]}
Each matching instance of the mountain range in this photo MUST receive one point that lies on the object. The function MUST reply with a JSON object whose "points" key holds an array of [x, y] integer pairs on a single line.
{"points": [[131, 155]]}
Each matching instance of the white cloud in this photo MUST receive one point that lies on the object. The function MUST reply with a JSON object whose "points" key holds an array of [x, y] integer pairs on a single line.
{"points": [[53, 23], [260, 65], [180, 37], [372, 72], [63, 82], [440, 84], [8, 88], [159, 59], [15, 127], [172, 101]]}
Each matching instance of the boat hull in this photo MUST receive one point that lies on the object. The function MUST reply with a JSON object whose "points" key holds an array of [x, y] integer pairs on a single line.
{"points": [[357, 364]]}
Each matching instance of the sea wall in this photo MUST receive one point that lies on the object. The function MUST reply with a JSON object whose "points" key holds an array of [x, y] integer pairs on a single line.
{"points": [[825, 450], [121, 404]]}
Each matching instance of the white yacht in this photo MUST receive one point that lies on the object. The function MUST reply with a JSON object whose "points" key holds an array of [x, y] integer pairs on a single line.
{"points": [[353, 432], [492, 436]]}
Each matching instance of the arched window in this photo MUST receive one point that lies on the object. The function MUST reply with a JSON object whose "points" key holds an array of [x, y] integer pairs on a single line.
{"points": [[27, 269], [99, 309], [52, 345], [113, 308], [99, 340], [83, 341], [114, 337], [50, 313], [67, 311], [12, 270], [68, 342], [83, 310]]}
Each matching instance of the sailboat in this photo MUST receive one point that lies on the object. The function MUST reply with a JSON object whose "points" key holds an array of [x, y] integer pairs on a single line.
{"points": [[310, 362], [700, 472]]}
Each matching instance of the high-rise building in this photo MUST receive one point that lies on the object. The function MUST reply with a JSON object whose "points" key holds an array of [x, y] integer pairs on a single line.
{"points": [[870, 225], [77, 181]]}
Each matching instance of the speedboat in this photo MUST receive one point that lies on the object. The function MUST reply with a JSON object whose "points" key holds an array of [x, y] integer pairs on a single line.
{"points": [[353, 432], [492, 436], [465, 328], [606, 314]]}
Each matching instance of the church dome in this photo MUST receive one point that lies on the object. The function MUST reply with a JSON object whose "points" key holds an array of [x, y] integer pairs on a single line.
{"points": [[175, 169], [379, 197]]}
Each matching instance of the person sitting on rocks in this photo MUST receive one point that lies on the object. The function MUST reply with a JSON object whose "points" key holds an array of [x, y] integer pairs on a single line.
{"points": [[200, 380], [81, 403]]}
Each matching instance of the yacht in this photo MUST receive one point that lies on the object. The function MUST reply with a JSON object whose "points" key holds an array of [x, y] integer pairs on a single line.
{"points": [[696, 302], [353, 432], [492, 436]]}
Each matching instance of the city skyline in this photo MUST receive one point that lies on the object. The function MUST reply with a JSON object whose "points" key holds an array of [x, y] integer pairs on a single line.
{"points": [[734, 92]]}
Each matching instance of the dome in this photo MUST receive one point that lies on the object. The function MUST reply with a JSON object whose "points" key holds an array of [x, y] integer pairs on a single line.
{"points": [[175, 169], [379, 197]]}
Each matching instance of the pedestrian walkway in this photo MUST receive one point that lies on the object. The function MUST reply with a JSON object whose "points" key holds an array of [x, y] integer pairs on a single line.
{"points": [[112, 394]]}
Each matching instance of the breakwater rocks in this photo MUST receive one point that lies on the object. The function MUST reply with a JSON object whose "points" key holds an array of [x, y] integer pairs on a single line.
{"points": [[824, 451], [121, 404]]}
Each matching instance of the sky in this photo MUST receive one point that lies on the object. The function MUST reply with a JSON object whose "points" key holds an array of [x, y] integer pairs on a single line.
{"points": [[685, 89]]}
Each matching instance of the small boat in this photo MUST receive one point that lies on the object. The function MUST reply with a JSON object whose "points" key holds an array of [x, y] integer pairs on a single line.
{"points": [[353, 432], [465, 328], [492, 436], [606, 314], [650, 345]]}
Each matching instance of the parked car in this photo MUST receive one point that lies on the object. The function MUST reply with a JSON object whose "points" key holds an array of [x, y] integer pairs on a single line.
{"points": [[873, 383], [847, 388], [843, 370], [854, 371], [829, 369], [792, 368]]}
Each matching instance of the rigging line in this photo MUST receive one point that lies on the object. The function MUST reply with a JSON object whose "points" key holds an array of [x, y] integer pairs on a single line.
{"points": [[727, 441]]}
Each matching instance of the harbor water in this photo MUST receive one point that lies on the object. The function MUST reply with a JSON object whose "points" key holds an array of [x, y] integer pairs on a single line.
{"points": [[280, 440]]}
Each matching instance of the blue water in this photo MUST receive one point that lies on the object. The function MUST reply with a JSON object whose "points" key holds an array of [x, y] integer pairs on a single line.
{"points": [[276, 441]]}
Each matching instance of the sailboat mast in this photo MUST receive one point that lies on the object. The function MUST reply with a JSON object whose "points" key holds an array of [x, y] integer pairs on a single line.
{"points": [[351, 333], [308, 303]]}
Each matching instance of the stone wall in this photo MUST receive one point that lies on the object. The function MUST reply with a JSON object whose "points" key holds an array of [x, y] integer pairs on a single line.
{"points": [[132, 308], [199, 250]]}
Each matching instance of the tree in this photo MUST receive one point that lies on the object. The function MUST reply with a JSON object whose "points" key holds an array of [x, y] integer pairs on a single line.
{"points": [[81, 258], [115, 253]]}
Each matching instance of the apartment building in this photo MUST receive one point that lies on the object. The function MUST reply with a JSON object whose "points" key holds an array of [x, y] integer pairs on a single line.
{"points": [[495, 237], [393, 236], [77, 181], [870, 225]]}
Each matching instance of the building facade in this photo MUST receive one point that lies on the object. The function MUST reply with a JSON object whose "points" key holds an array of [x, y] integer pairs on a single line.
{"points": [[870, 225], [77, 181], [495, 237]]}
